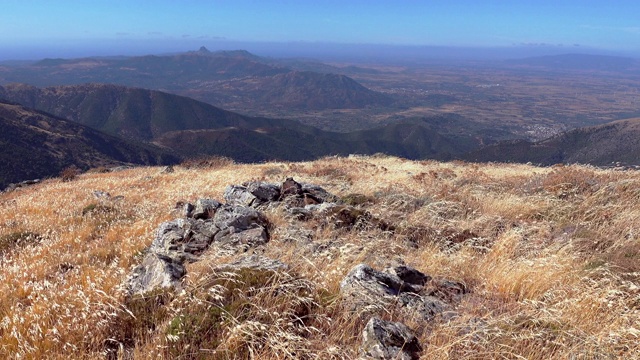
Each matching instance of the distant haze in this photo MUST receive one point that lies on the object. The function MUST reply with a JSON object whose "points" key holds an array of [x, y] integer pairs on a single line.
{"points": [[505, 29]]}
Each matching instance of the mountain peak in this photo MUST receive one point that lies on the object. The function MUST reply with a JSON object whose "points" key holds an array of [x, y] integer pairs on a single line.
{"points": [[204, 50]]}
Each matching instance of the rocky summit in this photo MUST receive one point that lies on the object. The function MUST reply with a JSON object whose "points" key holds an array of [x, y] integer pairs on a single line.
{"points": [[341, 258]]}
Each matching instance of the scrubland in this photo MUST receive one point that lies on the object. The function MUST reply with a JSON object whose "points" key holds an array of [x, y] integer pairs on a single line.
{"points": [[550, 257]]}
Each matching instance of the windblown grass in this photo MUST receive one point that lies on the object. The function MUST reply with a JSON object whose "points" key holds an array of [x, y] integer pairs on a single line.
{"points": [[551, 257]]}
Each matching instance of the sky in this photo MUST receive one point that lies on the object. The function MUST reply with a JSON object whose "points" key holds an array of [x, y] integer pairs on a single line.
{"points": [[65, 28]]}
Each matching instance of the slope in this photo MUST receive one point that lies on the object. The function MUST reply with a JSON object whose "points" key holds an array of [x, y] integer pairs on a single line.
{"points": [[616, 142], [221, 78], [35, 145], [195, 128]]}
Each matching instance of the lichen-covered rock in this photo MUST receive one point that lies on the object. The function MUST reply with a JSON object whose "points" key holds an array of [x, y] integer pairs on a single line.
{"points": [[204, 209], [184, 240], [155, 271], [402, 286], [251, 194], [389, 340], [239, 218]]}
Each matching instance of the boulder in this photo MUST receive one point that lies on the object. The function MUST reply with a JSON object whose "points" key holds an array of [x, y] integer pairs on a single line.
{"points": [[401, 285], [204, 209], [184, 240], [239, 218], [389, 340], [167, 170], [155, 271], [290, 187], [251, 194]]}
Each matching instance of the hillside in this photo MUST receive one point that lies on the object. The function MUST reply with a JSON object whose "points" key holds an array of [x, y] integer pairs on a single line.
{"points": [[194, 128], [34, 145], [603, 145], [303, 90], [221, 78], [133, 113], [448, 260]]}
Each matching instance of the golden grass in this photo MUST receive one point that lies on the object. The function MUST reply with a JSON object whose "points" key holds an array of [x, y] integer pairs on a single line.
{"points": [[551, 257]]}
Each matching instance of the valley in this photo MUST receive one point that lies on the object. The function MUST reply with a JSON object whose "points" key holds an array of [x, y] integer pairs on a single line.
{"points": [[531, 99]]}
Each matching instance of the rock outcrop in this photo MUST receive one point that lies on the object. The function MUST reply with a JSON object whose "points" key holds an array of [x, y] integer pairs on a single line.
{"points": [[236, 228], [389, 340], [369, 289]]}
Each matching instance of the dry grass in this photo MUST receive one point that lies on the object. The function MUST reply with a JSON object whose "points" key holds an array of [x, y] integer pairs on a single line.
{"points": [[551, 257]]}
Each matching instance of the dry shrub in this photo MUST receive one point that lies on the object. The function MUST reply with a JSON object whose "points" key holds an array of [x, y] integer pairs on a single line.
{"points": [[18, 239], [207, 162], [69, 173]]}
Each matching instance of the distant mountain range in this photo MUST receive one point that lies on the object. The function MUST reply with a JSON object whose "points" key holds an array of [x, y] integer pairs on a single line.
{"points": [[603, 145], [34, 144], [580, 62], [231, 79]]}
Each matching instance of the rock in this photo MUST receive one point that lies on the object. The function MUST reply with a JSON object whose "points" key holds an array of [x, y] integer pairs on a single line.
{"points": [[400, 285], [290, 187], [244, 240], [155, 271], [205, 209], [22, 184], [187, 209], [349, 217], [120, 168], [238, 195], [239, 217], [413, 279], [363, 280], [389, 340], [251, 194], [10, 188], [99, 194], [184, 240], [264, 192], [167, 170]]}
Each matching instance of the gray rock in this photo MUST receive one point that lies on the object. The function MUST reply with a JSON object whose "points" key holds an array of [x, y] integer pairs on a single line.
{"points": [[167, 170], [205, 208], [155, 271], [243, 240], [99, 194], [13, 187], [319, 193], [363, 280], [184, 240], [251, 194], [396, 286], [239, 218], [264, 192], [389, 340], [187, 209], [238, 195]]}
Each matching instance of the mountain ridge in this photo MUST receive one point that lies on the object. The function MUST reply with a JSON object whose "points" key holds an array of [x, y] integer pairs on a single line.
{"points": [[34, 144]]}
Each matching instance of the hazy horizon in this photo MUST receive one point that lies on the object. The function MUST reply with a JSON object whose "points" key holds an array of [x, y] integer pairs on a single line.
{"points": [[40, 29]]}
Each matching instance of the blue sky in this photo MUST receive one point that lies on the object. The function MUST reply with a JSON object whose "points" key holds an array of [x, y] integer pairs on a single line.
{"points": [[116, 25]]}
